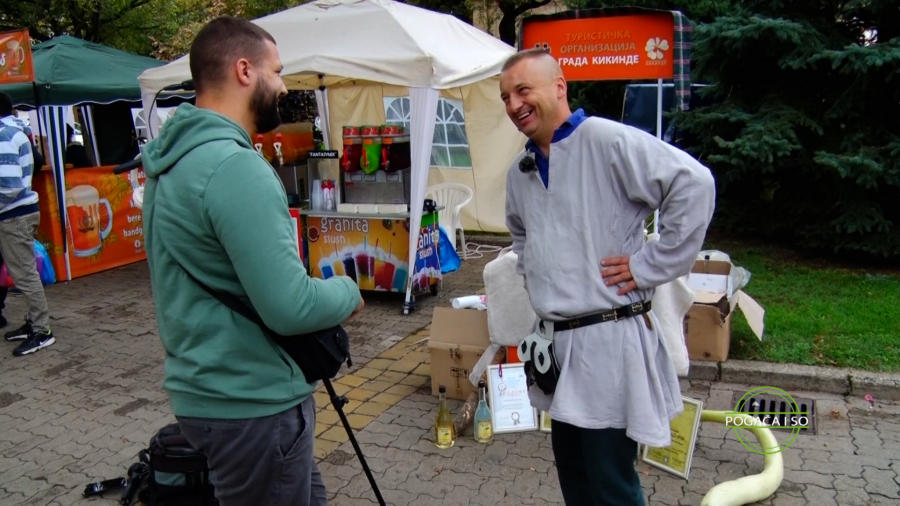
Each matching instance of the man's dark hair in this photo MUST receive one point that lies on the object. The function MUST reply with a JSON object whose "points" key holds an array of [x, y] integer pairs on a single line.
{"points": [[219, 44], [5, 105]]}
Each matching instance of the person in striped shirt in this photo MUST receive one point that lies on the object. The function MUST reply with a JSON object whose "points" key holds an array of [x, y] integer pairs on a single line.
{"points": [[19, 219]]}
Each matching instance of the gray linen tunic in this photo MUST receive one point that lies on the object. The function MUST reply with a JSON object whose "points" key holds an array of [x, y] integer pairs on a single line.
{"points": [[605, 178]]}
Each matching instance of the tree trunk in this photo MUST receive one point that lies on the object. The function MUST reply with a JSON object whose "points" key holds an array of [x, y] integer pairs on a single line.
{"points": [[508, 29], [511, 13]]}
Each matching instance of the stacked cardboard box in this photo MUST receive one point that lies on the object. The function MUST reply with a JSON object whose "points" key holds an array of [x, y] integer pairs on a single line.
{"points": [[707, 326]]}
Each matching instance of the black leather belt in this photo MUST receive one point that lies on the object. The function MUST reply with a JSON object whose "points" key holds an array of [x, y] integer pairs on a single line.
{"points": [[619, 313]]}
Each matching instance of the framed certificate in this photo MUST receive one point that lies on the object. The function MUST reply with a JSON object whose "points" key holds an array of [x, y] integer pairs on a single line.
{"points": [[676, 458], [511, 409], [545, 422]]}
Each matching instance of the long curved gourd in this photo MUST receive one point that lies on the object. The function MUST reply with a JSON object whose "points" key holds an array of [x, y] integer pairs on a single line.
{"points": [[748, 489]]}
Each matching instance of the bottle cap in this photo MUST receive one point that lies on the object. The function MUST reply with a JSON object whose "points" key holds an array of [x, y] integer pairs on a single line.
{"points": [[442, 389], [480, 383]]}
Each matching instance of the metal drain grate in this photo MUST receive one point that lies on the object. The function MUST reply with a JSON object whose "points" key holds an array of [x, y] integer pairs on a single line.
{"points": [[760, 405]]}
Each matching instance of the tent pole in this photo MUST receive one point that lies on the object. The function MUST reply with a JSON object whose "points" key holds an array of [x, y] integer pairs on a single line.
{"points": [[54, 118], [324, 113], [87, 112], [659, 135]]}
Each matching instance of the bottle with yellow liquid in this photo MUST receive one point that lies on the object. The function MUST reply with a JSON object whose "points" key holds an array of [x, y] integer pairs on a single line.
{"points": [[484, 426], [444, 431]]}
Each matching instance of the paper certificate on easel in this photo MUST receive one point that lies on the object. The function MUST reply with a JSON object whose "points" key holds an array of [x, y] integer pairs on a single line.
{"points": [[676, 458], [510, 407]]}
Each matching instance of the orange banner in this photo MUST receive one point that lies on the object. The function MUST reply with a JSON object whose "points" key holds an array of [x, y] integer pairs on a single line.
{"points": [[103, 227], [607, 48], [16, 65]]}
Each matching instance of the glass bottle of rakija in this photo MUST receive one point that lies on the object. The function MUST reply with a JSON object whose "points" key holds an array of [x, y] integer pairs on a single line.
{"points": [[484, 427], [444, 431]]}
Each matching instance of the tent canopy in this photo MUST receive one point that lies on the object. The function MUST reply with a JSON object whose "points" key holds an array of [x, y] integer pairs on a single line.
{"points": [[72, 71], [369, 40], [366, 44]]}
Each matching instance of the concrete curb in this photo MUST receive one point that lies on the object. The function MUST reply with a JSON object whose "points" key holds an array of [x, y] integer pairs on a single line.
{"points": [[833, 380], [490, 240]]}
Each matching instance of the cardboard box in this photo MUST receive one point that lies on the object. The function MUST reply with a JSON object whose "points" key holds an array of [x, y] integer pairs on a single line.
{"points": [[458, 339], [707, 326]]}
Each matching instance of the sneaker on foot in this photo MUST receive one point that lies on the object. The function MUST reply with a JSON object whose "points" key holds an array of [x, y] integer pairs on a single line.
{"points": [[35, 341], [20, 333]]}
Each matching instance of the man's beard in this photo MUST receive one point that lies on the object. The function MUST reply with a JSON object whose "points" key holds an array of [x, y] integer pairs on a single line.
{"points": [[264, 104]]}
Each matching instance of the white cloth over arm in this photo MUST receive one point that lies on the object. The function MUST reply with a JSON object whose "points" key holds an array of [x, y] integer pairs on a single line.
{"points": [[671, 303], [509, 313]]}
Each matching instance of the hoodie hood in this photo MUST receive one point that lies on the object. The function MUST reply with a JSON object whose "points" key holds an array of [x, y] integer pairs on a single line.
{"points": [[188, 128], [12, 121]]}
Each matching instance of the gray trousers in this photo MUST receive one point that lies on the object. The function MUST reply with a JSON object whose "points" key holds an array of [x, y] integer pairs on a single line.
{"points": [[261, 461], [17, 248]]}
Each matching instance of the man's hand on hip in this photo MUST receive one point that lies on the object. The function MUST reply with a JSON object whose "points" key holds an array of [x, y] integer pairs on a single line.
{"points": [[617, 271]]}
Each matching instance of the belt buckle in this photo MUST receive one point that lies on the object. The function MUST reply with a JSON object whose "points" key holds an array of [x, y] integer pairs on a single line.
{"points": [[574, 324], [637, 306]]}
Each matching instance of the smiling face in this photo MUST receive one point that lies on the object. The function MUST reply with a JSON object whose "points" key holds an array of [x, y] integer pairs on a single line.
{"points": [[534, 91]]}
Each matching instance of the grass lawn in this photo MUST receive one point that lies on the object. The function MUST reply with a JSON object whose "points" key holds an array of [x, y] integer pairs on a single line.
{"points": [[817, 313]]}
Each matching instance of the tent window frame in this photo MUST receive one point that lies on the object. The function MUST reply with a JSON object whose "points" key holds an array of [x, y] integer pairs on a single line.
{"points": [[450, 145]]}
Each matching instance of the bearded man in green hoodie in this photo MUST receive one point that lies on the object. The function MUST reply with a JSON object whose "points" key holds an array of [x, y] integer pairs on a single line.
{"points": [[214, 209]]}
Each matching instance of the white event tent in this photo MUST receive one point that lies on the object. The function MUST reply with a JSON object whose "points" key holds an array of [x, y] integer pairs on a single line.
{"points": [[354, 53]]}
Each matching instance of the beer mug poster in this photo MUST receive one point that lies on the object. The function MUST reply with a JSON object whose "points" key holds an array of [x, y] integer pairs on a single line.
{"points": [[508, 397], [676, 458], [103, 227], [15, 57]]}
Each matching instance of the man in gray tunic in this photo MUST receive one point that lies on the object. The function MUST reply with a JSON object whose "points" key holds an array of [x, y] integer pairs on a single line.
{"points": [[577, 199]]}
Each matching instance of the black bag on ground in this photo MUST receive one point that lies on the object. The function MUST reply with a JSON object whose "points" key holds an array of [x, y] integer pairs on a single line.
{"points": [[177, 474], [170, 473]]}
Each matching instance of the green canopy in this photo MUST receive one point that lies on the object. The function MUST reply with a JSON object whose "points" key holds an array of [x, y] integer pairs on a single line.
{"points": [[72, 71]]}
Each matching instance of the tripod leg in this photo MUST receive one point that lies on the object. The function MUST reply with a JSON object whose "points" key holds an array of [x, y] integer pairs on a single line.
{"points": [[338, 403]]}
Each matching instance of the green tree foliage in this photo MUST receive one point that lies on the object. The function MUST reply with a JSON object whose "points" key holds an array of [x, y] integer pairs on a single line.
{"points": [[804, 136], [604, 98], [461, 9], [87, 19], [159, 28]]}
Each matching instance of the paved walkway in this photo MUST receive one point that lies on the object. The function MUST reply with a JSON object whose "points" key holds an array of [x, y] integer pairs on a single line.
{"points": [[81, 410], [853, 460]]}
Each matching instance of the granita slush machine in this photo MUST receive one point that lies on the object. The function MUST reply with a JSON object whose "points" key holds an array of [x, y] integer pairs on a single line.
{"points": [[375, 167]]}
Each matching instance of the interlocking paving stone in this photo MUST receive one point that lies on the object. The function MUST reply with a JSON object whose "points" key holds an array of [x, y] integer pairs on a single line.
{"points": [[80, 410]]}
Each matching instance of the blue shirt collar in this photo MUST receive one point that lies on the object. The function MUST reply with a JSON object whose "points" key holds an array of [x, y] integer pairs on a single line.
{"points": [[562, 132]]}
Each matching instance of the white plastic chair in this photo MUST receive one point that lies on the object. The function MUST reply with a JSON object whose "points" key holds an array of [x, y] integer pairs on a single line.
{"points": [[453, 197]]}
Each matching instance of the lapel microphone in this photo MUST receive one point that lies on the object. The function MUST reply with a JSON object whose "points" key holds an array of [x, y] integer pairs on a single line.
{"points": [[528, 164]]}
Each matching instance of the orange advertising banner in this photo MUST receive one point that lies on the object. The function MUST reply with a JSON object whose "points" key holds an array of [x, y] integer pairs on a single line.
{"points": [[103, 227], [607, 48], [16, 65]]}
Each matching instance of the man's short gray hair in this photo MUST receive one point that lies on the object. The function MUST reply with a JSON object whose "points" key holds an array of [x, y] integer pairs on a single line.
{"points": [[527, 54]]}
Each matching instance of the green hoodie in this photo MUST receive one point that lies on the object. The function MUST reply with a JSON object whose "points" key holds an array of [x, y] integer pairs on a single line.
{"points": [[216, 208]]}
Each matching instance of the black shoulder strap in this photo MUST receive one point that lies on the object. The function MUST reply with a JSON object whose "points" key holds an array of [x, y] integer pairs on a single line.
{"points": [[230, 301], [227, 299]]}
